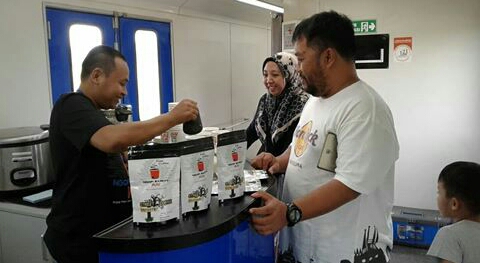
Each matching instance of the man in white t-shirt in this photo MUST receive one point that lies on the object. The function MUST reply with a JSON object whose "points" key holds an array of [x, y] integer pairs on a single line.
{"points": [[339, 170]]}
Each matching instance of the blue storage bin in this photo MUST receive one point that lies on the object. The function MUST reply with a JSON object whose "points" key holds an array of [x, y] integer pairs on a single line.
{"points": [[416, 227]]}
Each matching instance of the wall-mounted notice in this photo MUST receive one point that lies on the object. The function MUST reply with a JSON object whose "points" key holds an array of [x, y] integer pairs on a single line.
{"points": [[402, 49], [287, 33]]}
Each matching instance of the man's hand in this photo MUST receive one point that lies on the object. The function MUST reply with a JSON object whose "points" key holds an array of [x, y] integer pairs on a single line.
{"points": [[271, 217], [186, 110], [271, 164], [267, 162]]}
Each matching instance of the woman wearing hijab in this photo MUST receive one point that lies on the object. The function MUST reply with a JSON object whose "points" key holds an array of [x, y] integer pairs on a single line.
{"points": [[279, 109]]}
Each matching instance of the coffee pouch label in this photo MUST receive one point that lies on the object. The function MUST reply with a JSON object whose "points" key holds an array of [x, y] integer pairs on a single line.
{"points": [[196, 180], [155, 188], [230, 162]]}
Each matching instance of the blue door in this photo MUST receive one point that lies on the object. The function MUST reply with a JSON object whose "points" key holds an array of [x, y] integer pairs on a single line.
{"points": [[130, 36], [65, 58], [60, 23]]}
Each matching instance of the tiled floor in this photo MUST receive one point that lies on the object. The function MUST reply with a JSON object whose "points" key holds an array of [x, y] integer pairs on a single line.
{"points": [[404, 254]]}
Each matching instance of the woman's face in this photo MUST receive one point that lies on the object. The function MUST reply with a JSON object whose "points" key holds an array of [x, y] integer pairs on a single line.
{"points": [[273, 79]]}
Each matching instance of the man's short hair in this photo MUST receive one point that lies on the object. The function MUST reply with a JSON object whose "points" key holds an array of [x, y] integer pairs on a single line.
{"points": [[461, 180], [100, 57], [328, 30]]}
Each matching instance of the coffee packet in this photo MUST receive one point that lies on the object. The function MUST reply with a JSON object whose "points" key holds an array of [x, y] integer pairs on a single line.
{"points": [[231, 153], [196, 174], [154, 171]]}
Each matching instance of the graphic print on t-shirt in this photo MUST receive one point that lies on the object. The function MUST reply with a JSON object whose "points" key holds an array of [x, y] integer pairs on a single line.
{"points": [[303, 137], [287, 256], [369, 252]]}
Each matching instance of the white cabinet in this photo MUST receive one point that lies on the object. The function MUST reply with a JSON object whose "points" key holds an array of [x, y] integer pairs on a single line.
{"points": [[1, 258], [21, 228]]}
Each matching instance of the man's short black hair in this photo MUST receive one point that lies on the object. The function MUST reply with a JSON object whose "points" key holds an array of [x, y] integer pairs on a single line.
{"points": [[462, 180], [100, 57], [328, 30]]}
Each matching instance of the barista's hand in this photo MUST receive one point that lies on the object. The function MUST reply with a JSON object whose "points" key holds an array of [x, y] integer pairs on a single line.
{"points": [[186, 110], [271, 217], [266, 162]]}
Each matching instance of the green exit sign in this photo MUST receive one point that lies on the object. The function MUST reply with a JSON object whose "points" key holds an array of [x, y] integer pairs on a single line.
{"points": [[365, 26]]}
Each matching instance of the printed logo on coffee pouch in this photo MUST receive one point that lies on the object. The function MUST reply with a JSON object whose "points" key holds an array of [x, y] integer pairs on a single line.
{"points": [[200, 165], [198, 194], [154, 202], [233, 184], [234, 155], [154, 172], [303, 137]]}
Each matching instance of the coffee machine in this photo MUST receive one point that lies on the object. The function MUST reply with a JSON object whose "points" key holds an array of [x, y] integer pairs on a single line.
{"points": [[121, 113]]}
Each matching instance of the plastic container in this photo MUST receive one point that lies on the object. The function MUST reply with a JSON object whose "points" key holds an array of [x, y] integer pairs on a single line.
{"points": [[176, 134], [416, 227]]}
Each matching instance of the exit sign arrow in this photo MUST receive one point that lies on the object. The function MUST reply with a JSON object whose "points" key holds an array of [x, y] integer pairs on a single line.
{"points": [[365, 26]]}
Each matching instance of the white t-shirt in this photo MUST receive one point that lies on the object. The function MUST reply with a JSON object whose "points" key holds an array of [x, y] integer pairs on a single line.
{"points": [[457, 243], [361, 125]]}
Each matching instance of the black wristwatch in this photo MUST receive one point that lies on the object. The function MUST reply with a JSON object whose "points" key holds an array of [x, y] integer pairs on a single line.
{"points": [[294, 214]]}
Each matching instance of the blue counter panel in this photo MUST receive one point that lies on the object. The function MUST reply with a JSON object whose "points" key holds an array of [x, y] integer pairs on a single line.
{"points": [[241, 245]]}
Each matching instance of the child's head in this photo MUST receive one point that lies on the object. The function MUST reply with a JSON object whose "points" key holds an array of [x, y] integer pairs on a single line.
{"points": [[458, 190]]}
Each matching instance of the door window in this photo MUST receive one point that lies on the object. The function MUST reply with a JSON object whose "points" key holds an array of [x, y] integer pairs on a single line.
{"points": [[82, 39], [146, 52]]}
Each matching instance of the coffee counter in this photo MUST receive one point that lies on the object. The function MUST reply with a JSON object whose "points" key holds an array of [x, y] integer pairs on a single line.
{"points": [[221, 233]]}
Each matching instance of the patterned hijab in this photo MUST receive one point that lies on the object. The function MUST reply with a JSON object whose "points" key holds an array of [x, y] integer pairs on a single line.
{"points": [[275, 114]]}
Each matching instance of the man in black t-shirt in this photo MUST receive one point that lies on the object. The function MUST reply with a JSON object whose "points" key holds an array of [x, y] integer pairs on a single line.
{"points": [[91, 191]]}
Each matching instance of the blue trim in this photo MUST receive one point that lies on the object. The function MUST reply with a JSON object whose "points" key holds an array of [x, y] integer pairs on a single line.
{"points": [[241, 245], [128, 26], [59, 45]]}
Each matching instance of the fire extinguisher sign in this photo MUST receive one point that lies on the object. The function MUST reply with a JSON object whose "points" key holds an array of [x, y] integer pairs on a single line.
{"points": [[402, 49]]}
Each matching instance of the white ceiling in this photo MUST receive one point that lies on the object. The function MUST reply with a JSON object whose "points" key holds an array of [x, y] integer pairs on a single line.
{"points": [[226, 8]]}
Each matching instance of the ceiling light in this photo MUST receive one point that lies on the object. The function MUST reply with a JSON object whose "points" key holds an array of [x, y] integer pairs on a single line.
{"points": [[263, 5]]}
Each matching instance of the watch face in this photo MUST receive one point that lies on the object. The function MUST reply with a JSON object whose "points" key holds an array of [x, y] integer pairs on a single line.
{"points": [[296, 215]]}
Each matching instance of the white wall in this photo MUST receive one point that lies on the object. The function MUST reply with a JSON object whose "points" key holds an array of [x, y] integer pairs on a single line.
{"points": [[435, 98], [206, 50], [249, 46], [24, 90], [202, 63]]}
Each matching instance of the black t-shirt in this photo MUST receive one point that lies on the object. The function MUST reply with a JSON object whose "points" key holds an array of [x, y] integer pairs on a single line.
{"points": [[91, 191]]}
